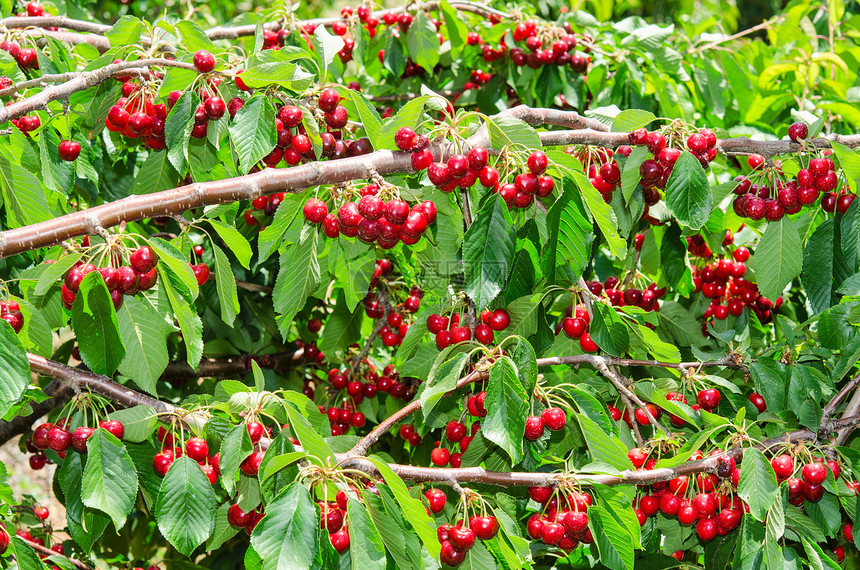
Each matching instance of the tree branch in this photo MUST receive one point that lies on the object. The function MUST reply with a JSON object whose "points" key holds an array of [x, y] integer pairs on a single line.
{"points": [[230, 366], [43, 550], [59, 393]]}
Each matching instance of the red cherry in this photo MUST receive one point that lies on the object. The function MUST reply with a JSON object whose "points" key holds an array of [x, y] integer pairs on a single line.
{"points": [[450, 556], [706, 529], [80, 437], [537, 163], [197, 449], [115, 427], [256, 430], [709, 399], [534, 428], [340, 540], [783, 466], [204, 61], [485, 527], [462, 538], [329, 100], [69, 150], [201, 273], [41, 512], [437, 499], [814, 473], [554, 419], [143, 259], [440, 456]]}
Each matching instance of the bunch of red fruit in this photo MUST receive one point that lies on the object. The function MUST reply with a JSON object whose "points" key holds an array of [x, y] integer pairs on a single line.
{"points": [[456, 433], [526, 185], [807, 487], [57, 437], [197, 449], [333, 518], [136, 116], [139, 275], [263, 208], [26, 58], [10, 311], [448, 330], [722, 281], [372, 219], [27, 123], [601, 168], [562, 525], [575, 325], [457, 539], [553, 419]]}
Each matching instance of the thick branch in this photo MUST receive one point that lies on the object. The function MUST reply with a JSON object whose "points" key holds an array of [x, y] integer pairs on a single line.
{"points": [[229, 367]]}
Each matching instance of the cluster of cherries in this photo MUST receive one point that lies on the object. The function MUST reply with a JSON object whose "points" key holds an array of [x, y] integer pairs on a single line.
{"points": [[10, 311], [136, 116], [26, 58], [722, 281], [139, 275], [699, 500], [58, 438], [262, 209], [345, 417], [563, 520], [553, 419], [448, 330], [807, 487], [601, 168], [545, 46], [197, 449], [373, 219], [771, 200], [456, 433], [575, 325], [458, 539]]}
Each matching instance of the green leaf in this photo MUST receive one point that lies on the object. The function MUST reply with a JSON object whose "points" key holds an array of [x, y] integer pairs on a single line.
{"points": [[25, 556], [186, 314], [287, 536], [673, 260], [139, 422], [366, 549], [506, 131], [310, 440], [226, 284], [632, 119], [688, 195], [353, 269], [630, 175], [177, 130], [603, 214], [507, 407], [109, 479], [95, 324], [235, 447], [85, 525], [608, 330], [223, 531], [757, 484], [603, 447], [173, 259], [571, 236], [369, 118], [614, 543], [342, 328], [816, 558], [488, 252], [778, 258], [281, 73], [298, 277], [144, 334], [185, 509], [849, 161], [413, 510], [422, 43], [770, 381], [14, 368], [194, 37], [54, 273], [234, 240], [126, 31], [272, 238], [23, 195], [326, 45], [252, 131], [817, 273], [155, 175]]}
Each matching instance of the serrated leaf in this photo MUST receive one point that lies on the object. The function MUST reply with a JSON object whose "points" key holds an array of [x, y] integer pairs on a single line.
{"points": [[155, 175], [144, 334], [608, 330], [173, 259], [85, 525], [688, 195], [194, 37], [14, 368], [252, 131], [505, 131], [413, 510], [287, 535], [757, 484], [95, 324], [280, 73], [507, 407], [177, 129], [298, 277], [778, 258], [630, 176], [488, 252], [603, 447], [613, 541], [342, 328], [326, 45], [226, 284], [272, 238], [366, 549], [109, 478], [632, 119], [186, 315], [235, 447], [139, 422], [422, 43], [234, 240], [369, 117], [602, 213], [185, 509], [571, 236]]}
